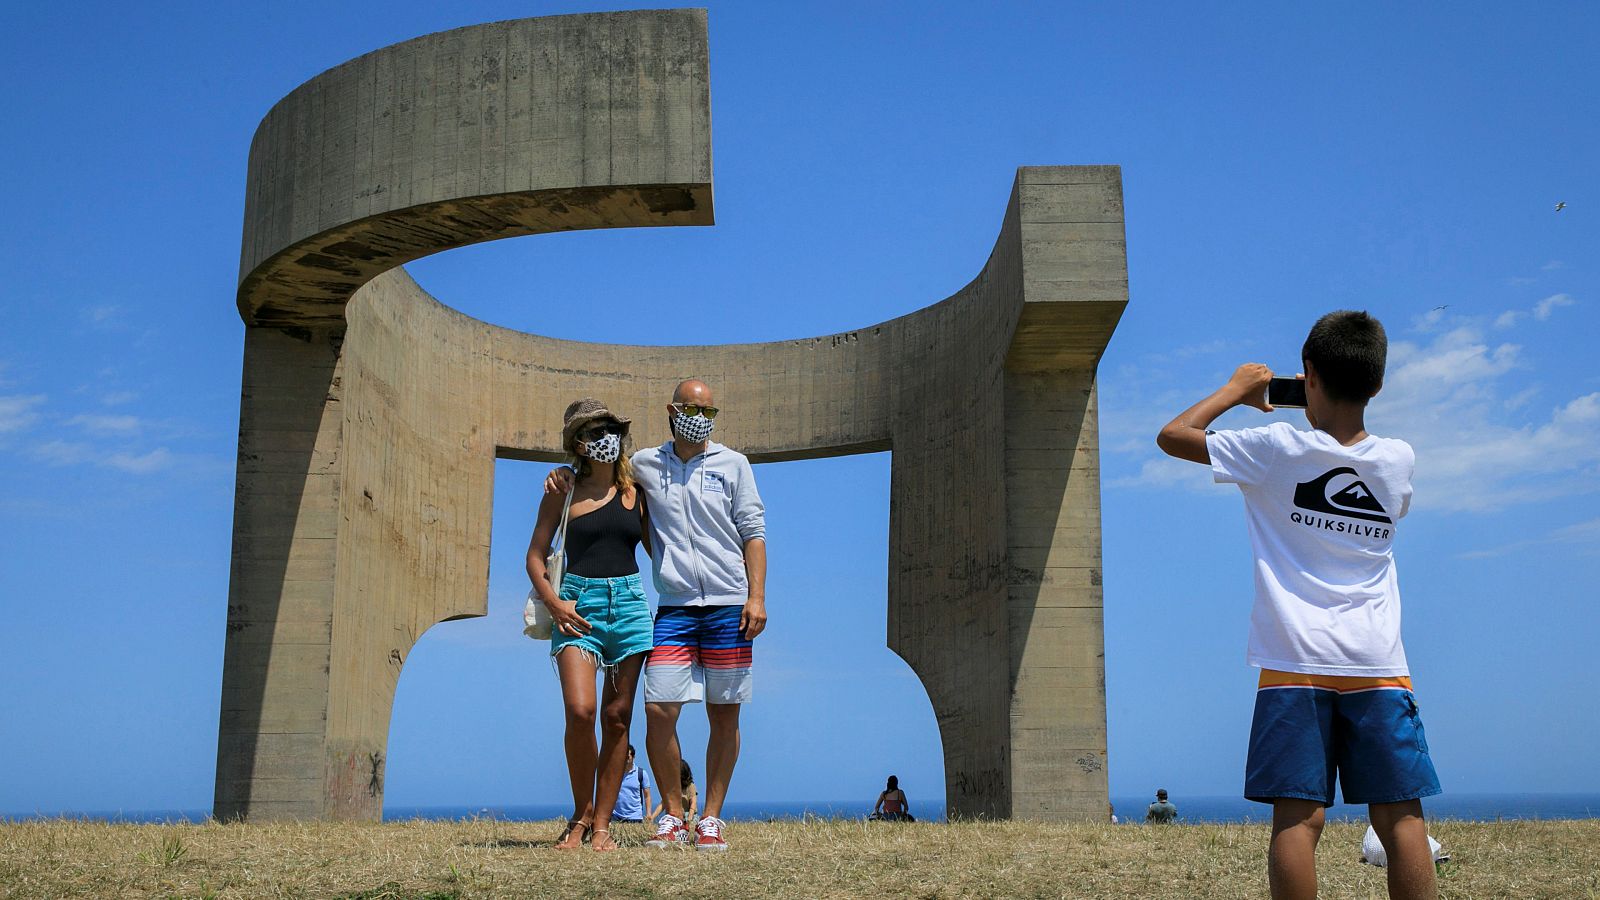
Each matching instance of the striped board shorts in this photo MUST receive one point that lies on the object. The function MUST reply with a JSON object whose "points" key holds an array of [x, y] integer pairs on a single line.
{"points": [[699, 656], [1310, 728]]}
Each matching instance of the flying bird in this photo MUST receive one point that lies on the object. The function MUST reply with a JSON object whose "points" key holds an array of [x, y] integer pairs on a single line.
{"points": [[1437, 308], [1560, 206]]}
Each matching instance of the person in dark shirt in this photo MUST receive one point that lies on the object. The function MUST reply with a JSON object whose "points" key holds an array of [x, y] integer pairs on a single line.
{"points": [[600, 619]]}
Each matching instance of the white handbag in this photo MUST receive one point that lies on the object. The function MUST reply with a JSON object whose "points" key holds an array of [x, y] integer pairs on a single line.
{"points": [[535, 615]]}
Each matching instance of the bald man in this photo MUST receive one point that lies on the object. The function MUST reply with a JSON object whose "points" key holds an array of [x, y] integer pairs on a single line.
{"points": [[708, 537]]}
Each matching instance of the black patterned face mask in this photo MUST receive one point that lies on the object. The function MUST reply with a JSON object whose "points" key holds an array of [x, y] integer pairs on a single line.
{"points": [[605, 449], [693, 429]]}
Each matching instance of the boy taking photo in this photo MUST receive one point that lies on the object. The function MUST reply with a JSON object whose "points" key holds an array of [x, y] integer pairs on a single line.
{"points": [[1334, 695]]}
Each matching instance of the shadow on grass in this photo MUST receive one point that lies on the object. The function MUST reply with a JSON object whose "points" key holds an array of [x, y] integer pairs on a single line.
{"points": [[393, 891], [508, 844]]}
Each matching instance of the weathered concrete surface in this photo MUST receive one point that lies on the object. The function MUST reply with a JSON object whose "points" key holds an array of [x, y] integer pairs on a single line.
{"points": [[371, 414]]}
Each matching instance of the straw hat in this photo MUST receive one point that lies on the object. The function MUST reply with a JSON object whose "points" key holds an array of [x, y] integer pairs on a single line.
{"points": [[581, 413]]}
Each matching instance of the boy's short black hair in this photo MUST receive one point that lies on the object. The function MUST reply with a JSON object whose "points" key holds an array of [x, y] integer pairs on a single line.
{"points": [[1348, 350]]}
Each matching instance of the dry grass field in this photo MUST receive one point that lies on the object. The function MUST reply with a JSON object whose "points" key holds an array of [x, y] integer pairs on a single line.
{"points": [[424, 859]]}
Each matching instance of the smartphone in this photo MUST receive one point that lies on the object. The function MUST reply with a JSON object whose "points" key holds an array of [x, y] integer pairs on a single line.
{"points": [[1287, 392]]}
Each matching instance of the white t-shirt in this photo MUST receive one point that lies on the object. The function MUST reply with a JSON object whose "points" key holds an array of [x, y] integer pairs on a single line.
{"points": [[1322, 520]]}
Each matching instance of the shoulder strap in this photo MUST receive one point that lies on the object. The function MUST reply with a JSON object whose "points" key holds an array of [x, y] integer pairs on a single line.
{"points": [[559, 545]]}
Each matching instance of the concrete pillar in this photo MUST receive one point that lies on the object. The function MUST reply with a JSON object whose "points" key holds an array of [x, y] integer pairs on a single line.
{"points": [[281, 592]]}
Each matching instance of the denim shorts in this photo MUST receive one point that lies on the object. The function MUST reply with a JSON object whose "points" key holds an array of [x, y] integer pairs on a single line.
{"points": [[618, 615], [1308, 728]]}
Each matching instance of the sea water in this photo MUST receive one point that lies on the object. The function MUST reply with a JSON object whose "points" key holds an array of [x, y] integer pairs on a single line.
{"points": [[1475, 807], [1196, 810]]}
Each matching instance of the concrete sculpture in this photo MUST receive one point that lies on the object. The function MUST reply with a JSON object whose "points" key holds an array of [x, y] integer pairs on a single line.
{"points": [[371, 415]]}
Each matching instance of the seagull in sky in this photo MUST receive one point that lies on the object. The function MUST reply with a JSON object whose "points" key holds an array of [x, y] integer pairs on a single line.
{"points": [[1437, 308], [1560, 206]]}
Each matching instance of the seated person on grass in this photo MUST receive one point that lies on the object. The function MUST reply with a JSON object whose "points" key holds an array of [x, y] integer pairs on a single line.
{"points": [[1161, 812], [892, 805], [1334, 696], [634, 803]]}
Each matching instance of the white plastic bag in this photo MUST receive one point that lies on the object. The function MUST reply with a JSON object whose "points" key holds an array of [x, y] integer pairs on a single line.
{"points": [[1372, 849]]}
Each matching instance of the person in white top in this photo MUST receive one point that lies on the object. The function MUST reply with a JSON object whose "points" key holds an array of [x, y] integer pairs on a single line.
{"points": [[1334, 698], [1321, 517]]}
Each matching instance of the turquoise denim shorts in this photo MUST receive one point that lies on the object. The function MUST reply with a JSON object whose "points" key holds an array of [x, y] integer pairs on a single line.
{"points": [[618, 615]]}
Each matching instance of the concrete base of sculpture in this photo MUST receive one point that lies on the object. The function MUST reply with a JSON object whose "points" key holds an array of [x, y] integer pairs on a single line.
{"points": [[371, 415]]}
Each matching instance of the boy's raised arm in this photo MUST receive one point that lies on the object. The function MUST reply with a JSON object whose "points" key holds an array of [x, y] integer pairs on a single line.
{"points": [[1185, 436]]}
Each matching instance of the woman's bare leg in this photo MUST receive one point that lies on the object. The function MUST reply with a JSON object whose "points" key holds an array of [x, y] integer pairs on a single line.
{"points": [[616, 715], [577, 696]]}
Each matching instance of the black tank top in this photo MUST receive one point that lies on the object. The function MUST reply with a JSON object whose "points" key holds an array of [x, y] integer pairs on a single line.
{"points": [[600, 544]]}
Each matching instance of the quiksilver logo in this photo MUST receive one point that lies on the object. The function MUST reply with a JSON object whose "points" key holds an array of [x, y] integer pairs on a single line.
{"points": [[1340, 492], [1340, 526]]}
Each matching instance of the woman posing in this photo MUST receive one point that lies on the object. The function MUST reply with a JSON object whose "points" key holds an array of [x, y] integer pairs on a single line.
{"points": [[600, 619]]}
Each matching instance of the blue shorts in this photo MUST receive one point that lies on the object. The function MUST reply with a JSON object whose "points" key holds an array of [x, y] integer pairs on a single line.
{"points": [[618, 616], [1309, 727], [699, 655]]}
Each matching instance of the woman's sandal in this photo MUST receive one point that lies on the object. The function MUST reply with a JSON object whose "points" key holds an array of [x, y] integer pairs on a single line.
{"points": [[600, 845], [571, 824]]}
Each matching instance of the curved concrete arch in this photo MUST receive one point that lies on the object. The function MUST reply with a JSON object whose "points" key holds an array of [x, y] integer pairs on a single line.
{"points": [[371, 414], [485, 132]]}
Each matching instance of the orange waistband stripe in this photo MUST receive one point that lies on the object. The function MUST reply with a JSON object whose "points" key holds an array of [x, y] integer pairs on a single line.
{"points": [[1344, 684]]}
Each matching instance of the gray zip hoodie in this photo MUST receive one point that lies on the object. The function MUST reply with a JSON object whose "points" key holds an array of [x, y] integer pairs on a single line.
{"points": [[701, 514]]}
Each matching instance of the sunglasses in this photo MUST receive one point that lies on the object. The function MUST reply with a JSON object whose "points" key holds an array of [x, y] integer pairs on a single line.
{"points": [[695, 409], [595, 432]]}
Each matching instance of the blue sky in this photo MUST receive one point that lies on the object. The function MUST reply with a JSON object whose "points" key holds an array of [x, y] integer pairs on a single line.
{"points": [[1277, 162]]}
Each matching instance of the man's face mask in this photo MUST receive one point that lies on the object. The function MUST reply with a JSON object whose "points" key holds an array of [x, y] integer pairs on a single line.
{"points": [[606, 449], [693, 429]]}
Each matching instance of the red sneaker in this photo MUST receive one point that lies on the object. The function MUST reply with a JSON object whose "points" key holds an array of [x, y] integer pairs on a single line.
{"points": [[669, 833], [708, 834]]}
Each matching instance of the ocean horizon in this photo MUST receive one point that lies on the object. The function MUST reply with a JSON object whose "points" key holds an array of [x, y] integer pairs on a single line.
{"points": [[1199, 809]]}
